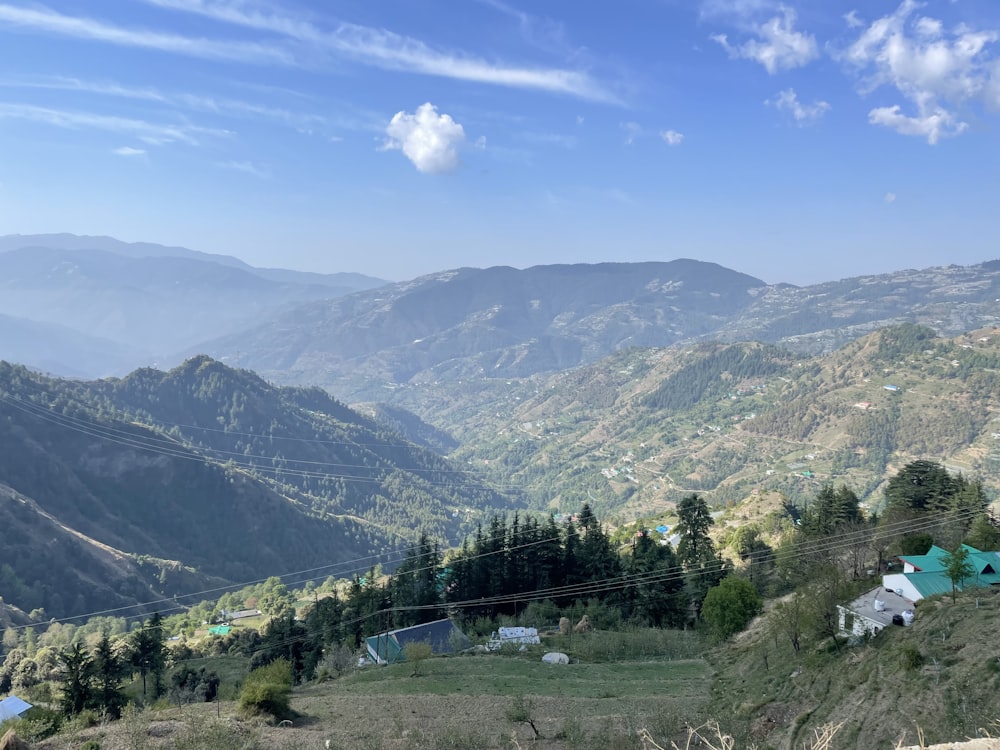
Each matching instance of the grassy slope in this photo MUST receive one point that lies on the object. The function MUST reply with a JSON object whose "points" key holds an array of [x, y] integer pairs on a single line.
{"points": [[869, 688], [622, 683]]}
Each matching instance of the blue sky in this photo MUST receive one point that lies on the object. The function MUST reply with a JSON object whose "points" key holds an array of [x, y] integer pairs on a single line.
{"points": [[795, 141]]}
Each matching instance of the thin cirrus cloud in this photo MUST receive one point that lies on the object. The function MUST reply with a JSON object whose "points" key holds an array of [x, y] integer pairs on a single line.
{"points": [[87, 28], [148, 132], [937, 71], [245, 167], [391, 51], [305, 122], [130, 151], [431, 141]]}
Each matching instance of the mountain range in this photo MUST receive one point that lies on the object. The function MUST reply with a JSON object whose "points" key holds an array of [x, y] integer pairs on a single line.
{"points": [[126, 490], [474, 391], [132, 304]]}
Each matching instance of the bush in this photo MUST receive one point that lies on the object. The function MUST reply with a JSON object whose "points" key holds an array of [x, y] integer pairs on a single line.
{"points": [[416, 653], [267, 690], [911, 657], [36, 724]]}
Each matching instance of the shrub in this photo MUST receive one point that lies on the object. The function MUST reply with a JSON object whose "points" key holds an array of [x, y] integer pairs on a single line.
{"points": [[911, 657], [416, 653], [266, 691]]}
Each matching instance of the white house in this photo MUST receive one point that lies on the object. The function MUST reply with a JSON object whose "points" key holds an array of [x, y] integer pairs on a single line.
{"points": [[874, 610]]}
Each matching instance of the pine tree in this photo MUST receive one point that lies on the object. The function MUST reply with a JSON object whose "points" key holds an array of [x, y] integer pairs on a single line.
{"points": [[77, 686]]}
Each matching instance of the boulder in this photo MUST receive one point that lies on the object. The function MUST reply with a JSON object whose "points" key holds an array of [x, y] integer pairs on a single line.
{"points": [[555, 657]]}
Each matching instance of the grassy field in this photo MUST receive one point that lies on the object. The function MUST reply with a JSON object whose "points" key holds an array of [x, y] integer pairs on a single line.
{"points": [[473, 702]]}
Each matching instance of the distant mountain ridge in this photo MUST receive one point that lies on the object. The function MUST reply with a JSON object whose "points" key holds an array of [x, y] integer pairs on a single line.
{"points": [[478, 325], [147, 301], [500, 321]]}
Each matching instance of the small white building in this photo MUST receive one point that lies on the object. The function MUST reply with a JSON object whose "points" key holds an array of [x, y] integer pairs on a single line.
{"points": [[520, 636], [874, 610]]}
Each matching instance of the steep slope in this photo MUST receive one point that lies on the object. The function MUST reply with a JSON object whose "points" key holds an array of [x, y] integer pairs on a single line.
{"points": [[214, 469]]}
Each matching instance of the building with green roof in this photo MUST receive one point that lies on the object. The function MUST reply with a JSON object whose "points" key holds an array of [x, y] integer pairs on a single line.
{"points": [[924, 575]]}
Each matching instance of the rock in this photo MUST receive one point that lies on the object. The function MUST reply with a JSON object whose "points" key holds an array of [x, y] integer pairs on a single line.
{"points": [[11, 741], [555, 657]]}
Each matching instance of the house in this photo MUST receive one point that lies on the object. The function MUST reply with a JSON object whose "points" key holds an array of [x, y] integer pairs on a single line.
{"points": [[443, 636], [516, 635], [924, 575], [226, 615], [12, 707], [874, 610]]}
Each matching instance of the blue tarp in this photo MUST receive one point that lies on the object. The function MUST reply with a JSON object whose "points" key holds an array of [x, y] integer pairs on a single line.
{"points": [[663, 529]]}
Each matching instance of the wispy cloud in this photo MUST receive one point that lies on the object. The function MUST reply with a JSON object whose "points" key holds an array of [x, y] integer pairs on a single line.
{"points": [[778, 45], [148, 132], [222, 106], [130, 151], [52, 22], [246, 167], [803, 114], [672, 137], [391, 51]]}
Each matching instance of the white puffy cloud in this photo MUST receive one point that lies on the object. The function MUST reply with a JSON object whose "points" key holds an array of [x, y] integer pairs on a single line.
{"points": [[429, 140], [778, 46], [936, 69], [672, 137], [804, 114]]}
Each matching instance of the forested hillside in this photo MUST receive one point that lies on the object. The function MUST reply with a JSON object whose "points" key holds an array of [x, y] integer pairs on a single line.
{"points": [[117, 490]]}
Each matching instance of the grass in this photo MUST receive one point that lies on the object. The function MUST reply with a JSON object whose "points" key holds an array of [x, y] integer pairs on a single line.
{"points": [[484, 702], [934, 676]]}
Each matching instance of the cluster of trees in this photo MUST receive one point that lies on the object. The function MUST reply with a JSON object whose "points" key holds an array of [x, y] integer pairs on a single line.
{"points": [[503, 569], [92, 678]]}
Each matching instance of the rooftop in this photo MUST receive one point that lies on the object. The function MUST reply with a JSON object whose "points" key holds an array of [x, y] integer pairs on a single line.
{"points": [[864, 605]]}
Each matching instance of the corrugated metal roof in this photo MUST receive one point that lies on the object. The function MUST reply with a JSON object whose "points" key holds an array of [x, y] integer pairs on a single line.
{"points": [[12, 707]]}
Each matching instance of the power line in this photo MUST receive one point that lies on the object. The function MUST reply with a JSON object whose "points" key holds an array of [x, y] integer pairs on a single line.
{"points": [[170, 447], [801, 550]]}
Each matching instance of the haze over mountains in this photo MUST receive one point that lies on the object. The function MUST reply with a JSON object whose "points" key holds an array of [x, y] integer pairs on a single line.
{"points": [[624, 385], [130, 305], [134, 304]]}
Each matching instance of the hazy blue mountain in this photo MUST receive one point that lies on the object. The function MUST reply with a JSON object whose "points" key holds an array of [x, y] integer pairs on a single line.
{"points": [[342, 282], [480, 324], [145, 300], [502, 321], [58, 349]]}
